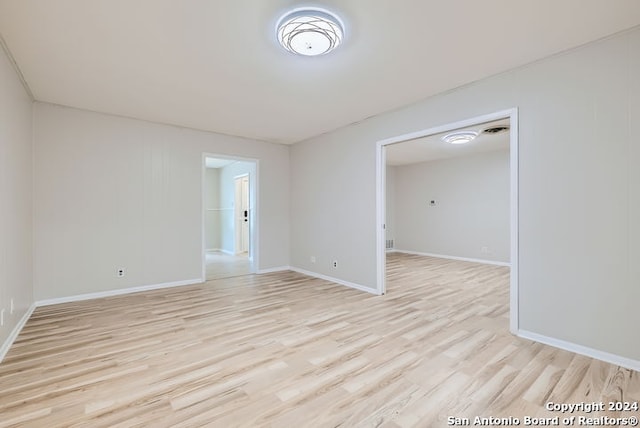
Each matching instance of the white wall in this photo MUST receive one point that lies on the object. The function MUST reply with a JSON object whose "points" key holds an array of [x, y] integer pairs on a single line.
{"points": [[471, 210], [579, 121], [16, 281], [113, 192], [212, 212], [390, 208], [227, 199]]}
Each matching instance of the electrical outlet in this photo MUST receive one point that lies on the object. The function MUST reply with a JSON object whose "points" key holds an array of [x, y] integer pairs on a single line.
{"points": [[11, 307], [484, 250], [313, 259], [334, 264], [120, 272]]}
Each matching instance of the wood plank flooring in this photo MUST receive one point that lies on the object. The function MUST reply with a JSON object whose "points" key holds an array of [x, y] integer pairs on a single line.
{"points": [[220, 265], [286, 350]]}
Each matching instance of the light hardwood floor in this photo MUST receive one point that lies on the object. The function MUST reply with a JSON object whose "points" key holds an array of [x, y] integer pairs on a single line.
{"points": [[220, 265], [285, 350]]}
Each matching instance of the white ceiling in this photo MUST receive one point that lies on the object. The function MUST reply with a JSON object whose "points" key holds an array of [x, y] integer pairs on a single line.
{"points": [[215, 65], [432, 147]]}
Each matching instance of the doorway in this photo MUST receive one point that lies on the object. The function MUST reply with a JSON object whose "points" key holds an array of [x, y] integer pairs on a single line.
{"points": [[385, 236], [229, 219]]}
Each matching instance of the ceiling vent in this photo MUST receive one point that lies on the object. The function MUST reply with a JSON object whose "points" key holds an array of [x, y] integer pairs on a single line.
{"points": [[496, 129]]}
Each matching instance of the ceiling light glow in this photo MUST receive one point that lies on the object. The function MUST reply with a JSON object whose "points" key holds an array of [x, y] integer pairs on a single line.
{"points": [[310, 31], [461, 137]]}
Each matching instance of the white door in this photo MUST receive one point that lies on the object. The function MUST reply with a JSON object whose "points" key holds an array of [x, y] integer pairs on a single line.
{"points": [[242, 214]]}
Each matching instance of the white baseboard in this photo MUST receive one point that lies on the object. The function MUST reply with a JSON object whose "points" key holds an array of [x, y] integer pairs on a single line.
{"points": [[273, 269], [109, 293], [336, 280], [463, 259], [15, 332], [220, 250], [582, 350]]}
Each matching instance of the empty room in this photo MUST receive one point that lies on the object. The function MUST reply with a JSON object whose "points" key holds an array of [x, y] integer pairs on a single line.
{"points": [[332, 213]]}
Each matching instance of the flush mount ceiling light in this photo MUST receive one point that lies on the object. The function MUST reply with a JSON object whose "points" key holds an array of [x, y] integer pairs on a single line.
{"points": [[461, 137], [309, 31]]}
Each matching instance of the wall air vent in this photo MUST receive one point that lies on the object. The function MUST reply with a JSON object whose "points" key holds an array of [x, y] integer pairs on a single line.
{"points": [[496, 129]]}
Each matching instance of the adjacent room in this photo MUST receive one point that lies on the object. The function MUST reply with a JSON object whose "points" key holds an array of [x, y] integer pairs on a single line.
{"points": [[336, 213], [229, 217], [448, 196]]}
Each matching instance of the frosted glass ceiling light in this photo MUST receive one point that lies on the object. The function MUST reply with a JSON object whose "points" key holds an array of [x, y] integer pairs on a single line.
{"points": [[310, 31], [460, 137]]}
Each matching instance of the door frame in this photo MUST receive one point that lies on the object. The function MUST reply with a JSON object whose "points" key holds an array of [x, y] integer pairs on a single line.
{"points": [[254, 219], [381, 180]]}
